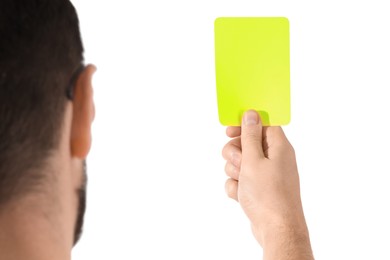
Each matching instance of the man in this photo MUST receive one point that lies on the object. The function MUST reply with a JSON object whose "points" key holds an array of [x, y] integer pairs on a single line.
{"points": [[46, 112]]}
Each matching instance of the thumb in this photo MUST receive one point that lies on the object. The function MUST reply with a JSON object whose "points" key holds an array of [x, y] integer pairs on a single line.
{"points": [[251, 137]]}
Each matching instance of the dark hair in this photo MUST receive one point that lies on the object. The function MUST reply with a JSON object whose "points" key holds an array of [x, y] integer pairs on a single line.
{"points": [[40, 49]]}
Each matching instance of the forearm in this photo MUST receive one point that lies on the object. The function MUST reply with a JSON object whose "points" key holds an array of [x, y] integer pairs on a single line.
{"points": [[287, 244]]}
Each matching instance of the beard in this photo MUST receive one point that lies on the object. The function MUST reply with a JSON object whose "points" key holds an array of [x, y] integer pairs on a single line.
{"points": [[81, 192]]}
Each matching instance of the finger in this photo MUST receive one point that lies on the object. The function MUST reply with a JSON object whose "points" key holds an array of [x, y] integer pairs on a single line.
{"points": [[232, 171], [231, 152], [251, 137], [233, 131], [231, 188], [274, 139]]}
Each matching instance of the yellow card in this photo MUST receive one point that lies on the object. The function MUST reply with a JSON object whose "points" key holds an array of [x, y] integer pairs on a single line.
{"points": [[252, 56]]}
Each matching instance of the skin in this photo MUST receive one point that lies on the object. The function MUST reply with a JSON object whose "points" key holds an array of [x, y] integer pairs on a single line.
{"points": [[41, 225], [263, 178]]}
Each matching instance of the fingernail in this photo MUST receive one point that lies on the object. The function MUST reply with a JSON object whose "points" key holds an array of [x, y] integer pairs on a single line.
{"points": [[251, 117]]}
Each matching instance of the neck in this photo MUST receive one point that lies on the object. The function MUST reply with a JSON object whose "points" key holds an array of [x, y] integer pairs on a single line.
{"points": [[29, 230], [40, 226]]}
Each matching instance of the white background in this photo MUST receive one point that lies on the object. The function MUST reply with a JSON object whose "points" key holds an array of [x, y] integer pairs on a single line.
{"points": [[156, 179]]}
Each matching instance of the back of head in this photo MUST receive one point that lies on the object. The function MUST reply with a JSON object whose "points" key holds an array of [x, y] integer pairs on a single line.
{"points": [[40, 49]]}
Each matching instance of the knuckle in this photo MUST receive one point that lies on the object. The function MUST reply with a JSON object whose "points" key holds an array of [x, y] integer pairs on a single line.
{"points": [[253, 137], [230, 188], [231, 153], [227, 169], [225, 151], [231, 171]]}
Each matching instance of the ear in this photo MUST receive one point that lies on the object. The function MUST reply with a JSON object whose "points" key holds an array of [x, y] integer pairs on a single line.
{"points": [[83, 114]]}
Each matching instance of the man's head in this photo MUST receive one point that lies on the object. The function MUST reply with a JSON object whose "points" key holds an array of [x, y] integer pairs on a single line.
{"points": [[46, 111]]}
